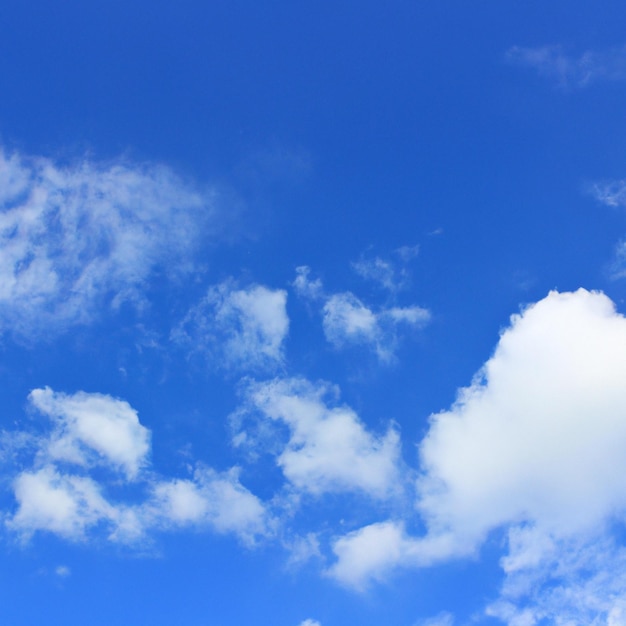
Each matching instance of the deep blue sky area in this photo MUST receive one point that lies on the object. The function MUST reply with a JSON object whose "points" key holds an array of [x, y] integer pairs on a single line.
{"points": [[312, 313]]}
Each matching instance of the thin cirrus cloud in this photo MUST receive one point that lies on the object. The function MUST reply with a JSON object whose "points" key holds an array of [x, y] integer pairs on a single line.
{"points": [[612, 193], [62, 492], [328, 448], [568, 71], [347, 321], [443, 619], [532, 447], [75, 238], [393, 275], [238, 329]]}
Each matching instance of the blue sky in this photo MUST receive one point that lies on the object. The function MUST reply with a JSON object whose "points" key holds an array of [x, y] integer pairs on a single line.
{"points": [[313, 313]]}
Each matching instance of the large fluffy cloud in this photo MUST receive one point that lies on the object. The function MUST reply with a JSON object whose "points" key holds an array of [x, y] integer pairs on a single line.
{"points": [[328, 447], [77, 237], [536, 445], [238, 328], [541, 433]]}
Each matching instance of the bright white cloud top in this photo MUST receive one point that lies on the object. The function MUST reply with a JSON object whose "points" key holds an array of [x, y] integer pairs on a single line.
{"points": [[540, 435]]}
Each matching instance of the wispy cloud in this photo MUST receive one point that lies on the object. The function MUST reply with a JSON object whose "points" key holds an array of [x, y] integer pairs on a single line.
{"points": [[443, 619], [79, 237], [576, 580], [569, 71], [347, 321], [391, 274], [612, 193], [238, 328]]}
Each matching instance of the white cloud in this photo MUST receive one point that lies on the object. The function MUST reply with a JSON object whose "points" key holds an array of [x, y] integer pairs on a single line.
{"points": [[80, 237], [62, 571], [348, 321], [64, 494], [302, 549], [238, 328], [378, 270], [62, 504], [618, 266], [346, 318], [534, 446], [310, 622], [568, 71], [612, 193], [305, 287], [89, 422], [443, 619], [581, 580], [372, 553], [540, 434], [328, 447], [213, 499], [391, 275]]}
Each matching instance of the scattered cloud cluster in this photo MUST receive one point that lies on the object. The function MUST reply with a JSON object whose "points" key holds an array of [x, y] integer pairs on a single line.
{"points": [[531, 448], [568, 71], [238, 328], [347, 321], [76, 238], [97, 447]]}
